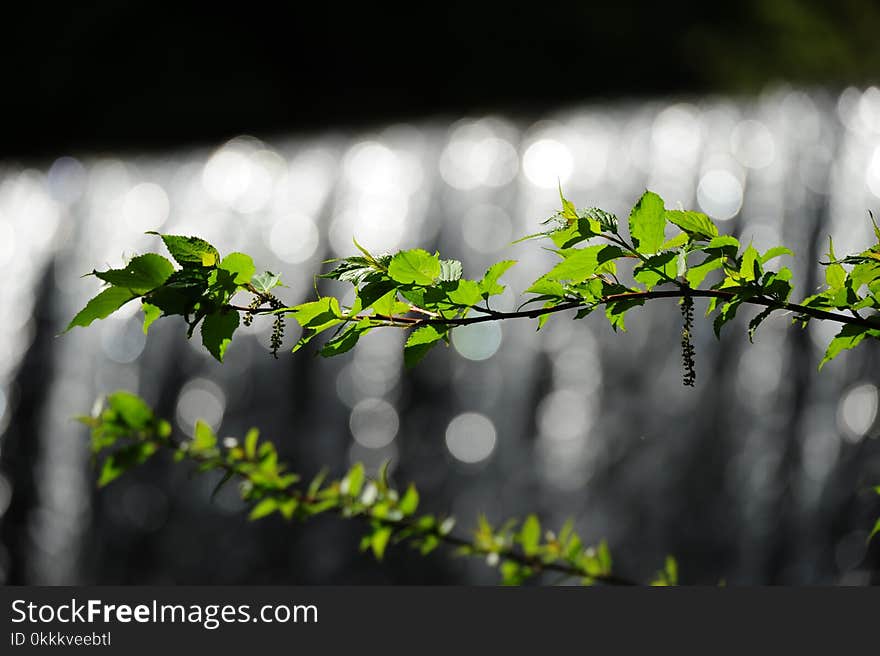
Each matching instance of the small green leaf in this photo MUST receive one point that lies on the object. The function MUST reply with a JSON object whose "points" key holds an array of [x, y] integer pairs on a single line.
{"points": [[409, 503], [250, 443], [203, 437], [758, 320], [776, 251], [581, 263], [142, 274], [151, 313], [530, 535], [121, 461], [318, 315], [131, 409], [489, 284], [835, 275], [568, 209], [190, 251], [696, 224], [101, 306], [662, 267], [419, 343], [681, 239], [467, 293], [379, 541], [241, 266], [750, 267], [616, 311], [725, 245], [849, 337], [346, 340], [264, 508], [354, 480], [874, 531], [671, 570], [603, 555], [696, 274], [217, 330], [414, 266], [647, 223]]}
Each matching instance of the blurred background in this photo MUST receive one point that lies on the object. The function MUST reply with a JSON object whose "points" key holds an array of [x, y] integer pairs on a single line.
{"points": [[282, 131]]}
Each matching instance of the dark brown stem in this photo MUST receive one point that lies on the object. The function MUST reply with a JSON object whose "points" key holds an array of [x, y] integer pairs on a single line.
{"points": [[493, 315]]}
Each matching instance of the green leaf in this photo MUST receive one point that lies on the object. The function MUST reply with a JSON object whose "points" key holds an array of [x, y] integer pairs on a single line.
{"points": [[379, 541], [874, 531], [835, 275], [581, 263], [864, 274], [774, 252], [142, 274], [681, 239], [467, 293], [671, 570], [419, 343], [121, 461], [696, 274], [849, 337], [241, 266], [658, 268], [409, 503], [696, 224], [603, 555], [250, 443], [264, 508], [576, 232], [450, 270], [415, 266], [616, 311], [758, 320], [217, 330], [265, 282], [568, 209], [353, 483], [151, 313], [647, 222], [751, 264], [318, 315], [345, 341], [546, 287], [101, 306], [725, 245], [530, 535], [489, 284], [190, 251], [131, 409], [203, 437], [371, 293], [726, 314]]}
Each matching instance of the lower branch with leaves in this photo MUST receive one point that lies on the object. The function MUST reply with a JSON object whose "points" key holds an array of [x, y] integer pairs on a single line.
{"points": [[126, 432], [666, 254]]}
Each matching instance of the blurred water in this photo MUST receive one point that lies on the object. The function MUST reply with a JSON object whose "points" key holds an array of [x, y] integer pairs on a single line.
{"points": [[757, 475]]}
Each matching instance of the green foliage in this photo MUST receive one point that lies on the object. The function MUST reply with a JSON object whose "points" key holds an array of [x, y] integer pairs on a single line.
{"points": [[672, 253], [428, 296], [200, 291], [126, 433], [647, 223]]}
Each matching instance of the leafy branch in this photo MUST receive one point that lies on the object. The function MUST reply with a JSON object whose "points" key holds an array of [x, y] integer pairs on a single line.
{"points": [[418, 291], [125, 433], [673, 254]]}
